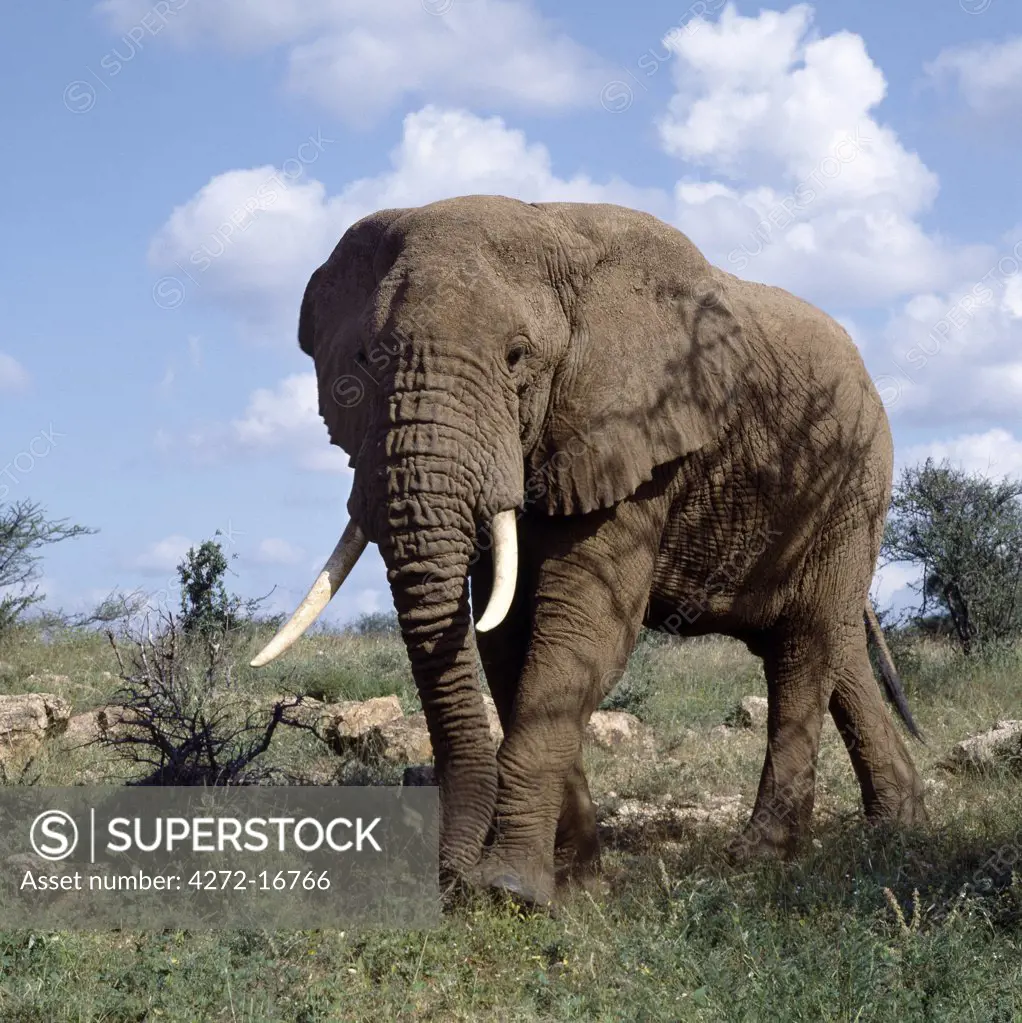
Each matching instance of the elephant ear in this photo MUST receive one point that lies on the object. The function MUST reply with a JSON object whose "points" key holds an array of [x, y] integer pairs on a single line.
{"points": [[653, 364], [330, 327]]}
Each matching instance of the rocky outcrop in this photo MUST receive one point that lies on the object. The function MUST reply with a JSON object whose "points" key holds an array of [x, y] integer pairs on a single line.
{"points": [[27, 720], [377, 729], [710, 809], [1000, 747], [378, 734], [611, 729], [404, 741], [346, 726], [372, 731], [93, 725]]}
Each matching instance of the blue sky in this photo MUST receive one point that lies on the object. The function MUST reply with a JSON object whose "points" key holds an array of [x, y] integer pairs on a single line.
{"points": [[175, 170]]}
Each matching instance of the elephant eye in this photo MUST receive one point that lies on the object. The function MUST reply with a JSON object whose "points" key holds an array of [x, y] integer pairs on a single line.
{"points": [[516, 352]]}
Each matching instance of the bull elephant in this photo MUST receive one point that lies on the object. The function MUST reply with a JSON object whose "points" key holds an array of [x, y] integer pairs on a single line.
{"points": [[637, 438]]}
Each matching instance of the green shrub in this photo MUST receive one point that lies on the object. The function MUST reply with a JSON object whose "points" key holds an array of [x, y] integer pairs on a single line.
{"points": [[24, 530], [964, 532]]}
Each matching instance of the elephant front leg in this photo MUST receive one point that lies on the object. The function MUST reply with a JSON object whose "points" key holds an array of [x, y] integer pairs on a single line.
{"points": [[502, 652], [590, 597]]}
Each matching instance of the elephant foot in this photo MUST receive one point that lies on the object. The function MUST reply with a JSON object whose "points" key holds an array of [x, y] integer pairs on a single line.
{"points": [[761, 842], [527, 888], [463, 891], [899, 808]]}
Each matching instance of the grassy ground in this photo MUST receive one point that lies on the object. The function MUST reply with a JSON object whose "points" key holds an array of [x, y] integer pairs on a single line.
{"points": [[864, 926]]}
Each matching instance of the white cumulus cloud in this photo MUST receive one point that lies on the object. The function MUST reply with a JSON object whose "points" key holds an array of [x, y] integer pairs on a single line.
{"points": [[894, 580], [995, 453], [282, 420], [762, 96], [260, 273], [987, 76], [287, 417], [843, 231], [250, 238], [289, 408], [954, 354], [809, 190], [362, 59]]}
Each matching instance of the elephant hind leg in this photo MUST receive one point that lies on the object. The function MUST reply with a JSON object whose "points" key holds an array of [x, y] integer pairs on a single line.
{"points": [[891, 787]]}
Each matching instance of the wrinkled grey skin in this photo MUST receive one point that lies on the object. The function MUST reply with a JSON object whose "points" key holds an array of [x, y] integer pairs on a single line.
{"points": [[687, 450]]}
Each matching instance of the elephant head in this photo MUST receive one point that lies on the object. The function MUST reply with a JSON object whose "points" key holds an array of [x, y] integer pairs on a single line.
{"points": [[481, 355]]}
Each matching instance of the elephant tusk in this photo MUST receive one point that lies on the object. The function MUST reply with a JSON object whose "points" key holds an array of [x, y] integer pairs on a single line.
{"points": [[505, 570], [344, 558]]}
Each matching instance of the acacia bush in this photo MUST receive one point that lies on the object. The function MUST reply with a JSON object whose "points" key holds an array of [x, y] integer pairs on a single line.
{"points": [[24, 531], [964, 532]]}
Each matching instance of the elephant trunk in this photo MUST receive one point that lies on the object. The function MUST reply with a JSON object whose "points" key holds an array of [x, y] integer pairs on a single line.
{"points": [[442, 481], [431, 598], [426, 485]]}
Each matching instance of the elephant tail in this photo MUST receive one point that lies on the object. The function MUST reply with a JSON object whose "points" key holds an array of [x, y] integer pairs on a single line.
{"points": [[892, 684]]}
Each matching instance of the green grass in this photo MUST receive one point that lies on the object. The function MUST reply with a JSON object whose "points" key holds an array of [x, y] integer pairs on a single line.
{"points": [[673, 933]]}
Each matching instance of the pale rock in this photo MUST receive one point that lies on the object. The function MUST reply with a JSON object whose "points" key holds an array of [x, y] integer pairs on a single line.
{"points": [[405, 740], [711, 809], [613, 728], [350, 723], [493, 720], [83, 728], [306, 712], [93, 725], [402, 741], [28, 719], [1001, 746]]}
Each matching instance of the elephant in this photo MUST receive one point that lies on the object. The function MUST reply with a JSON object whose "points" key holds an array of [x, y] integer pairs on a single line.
{"points": [[564, 425]]}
